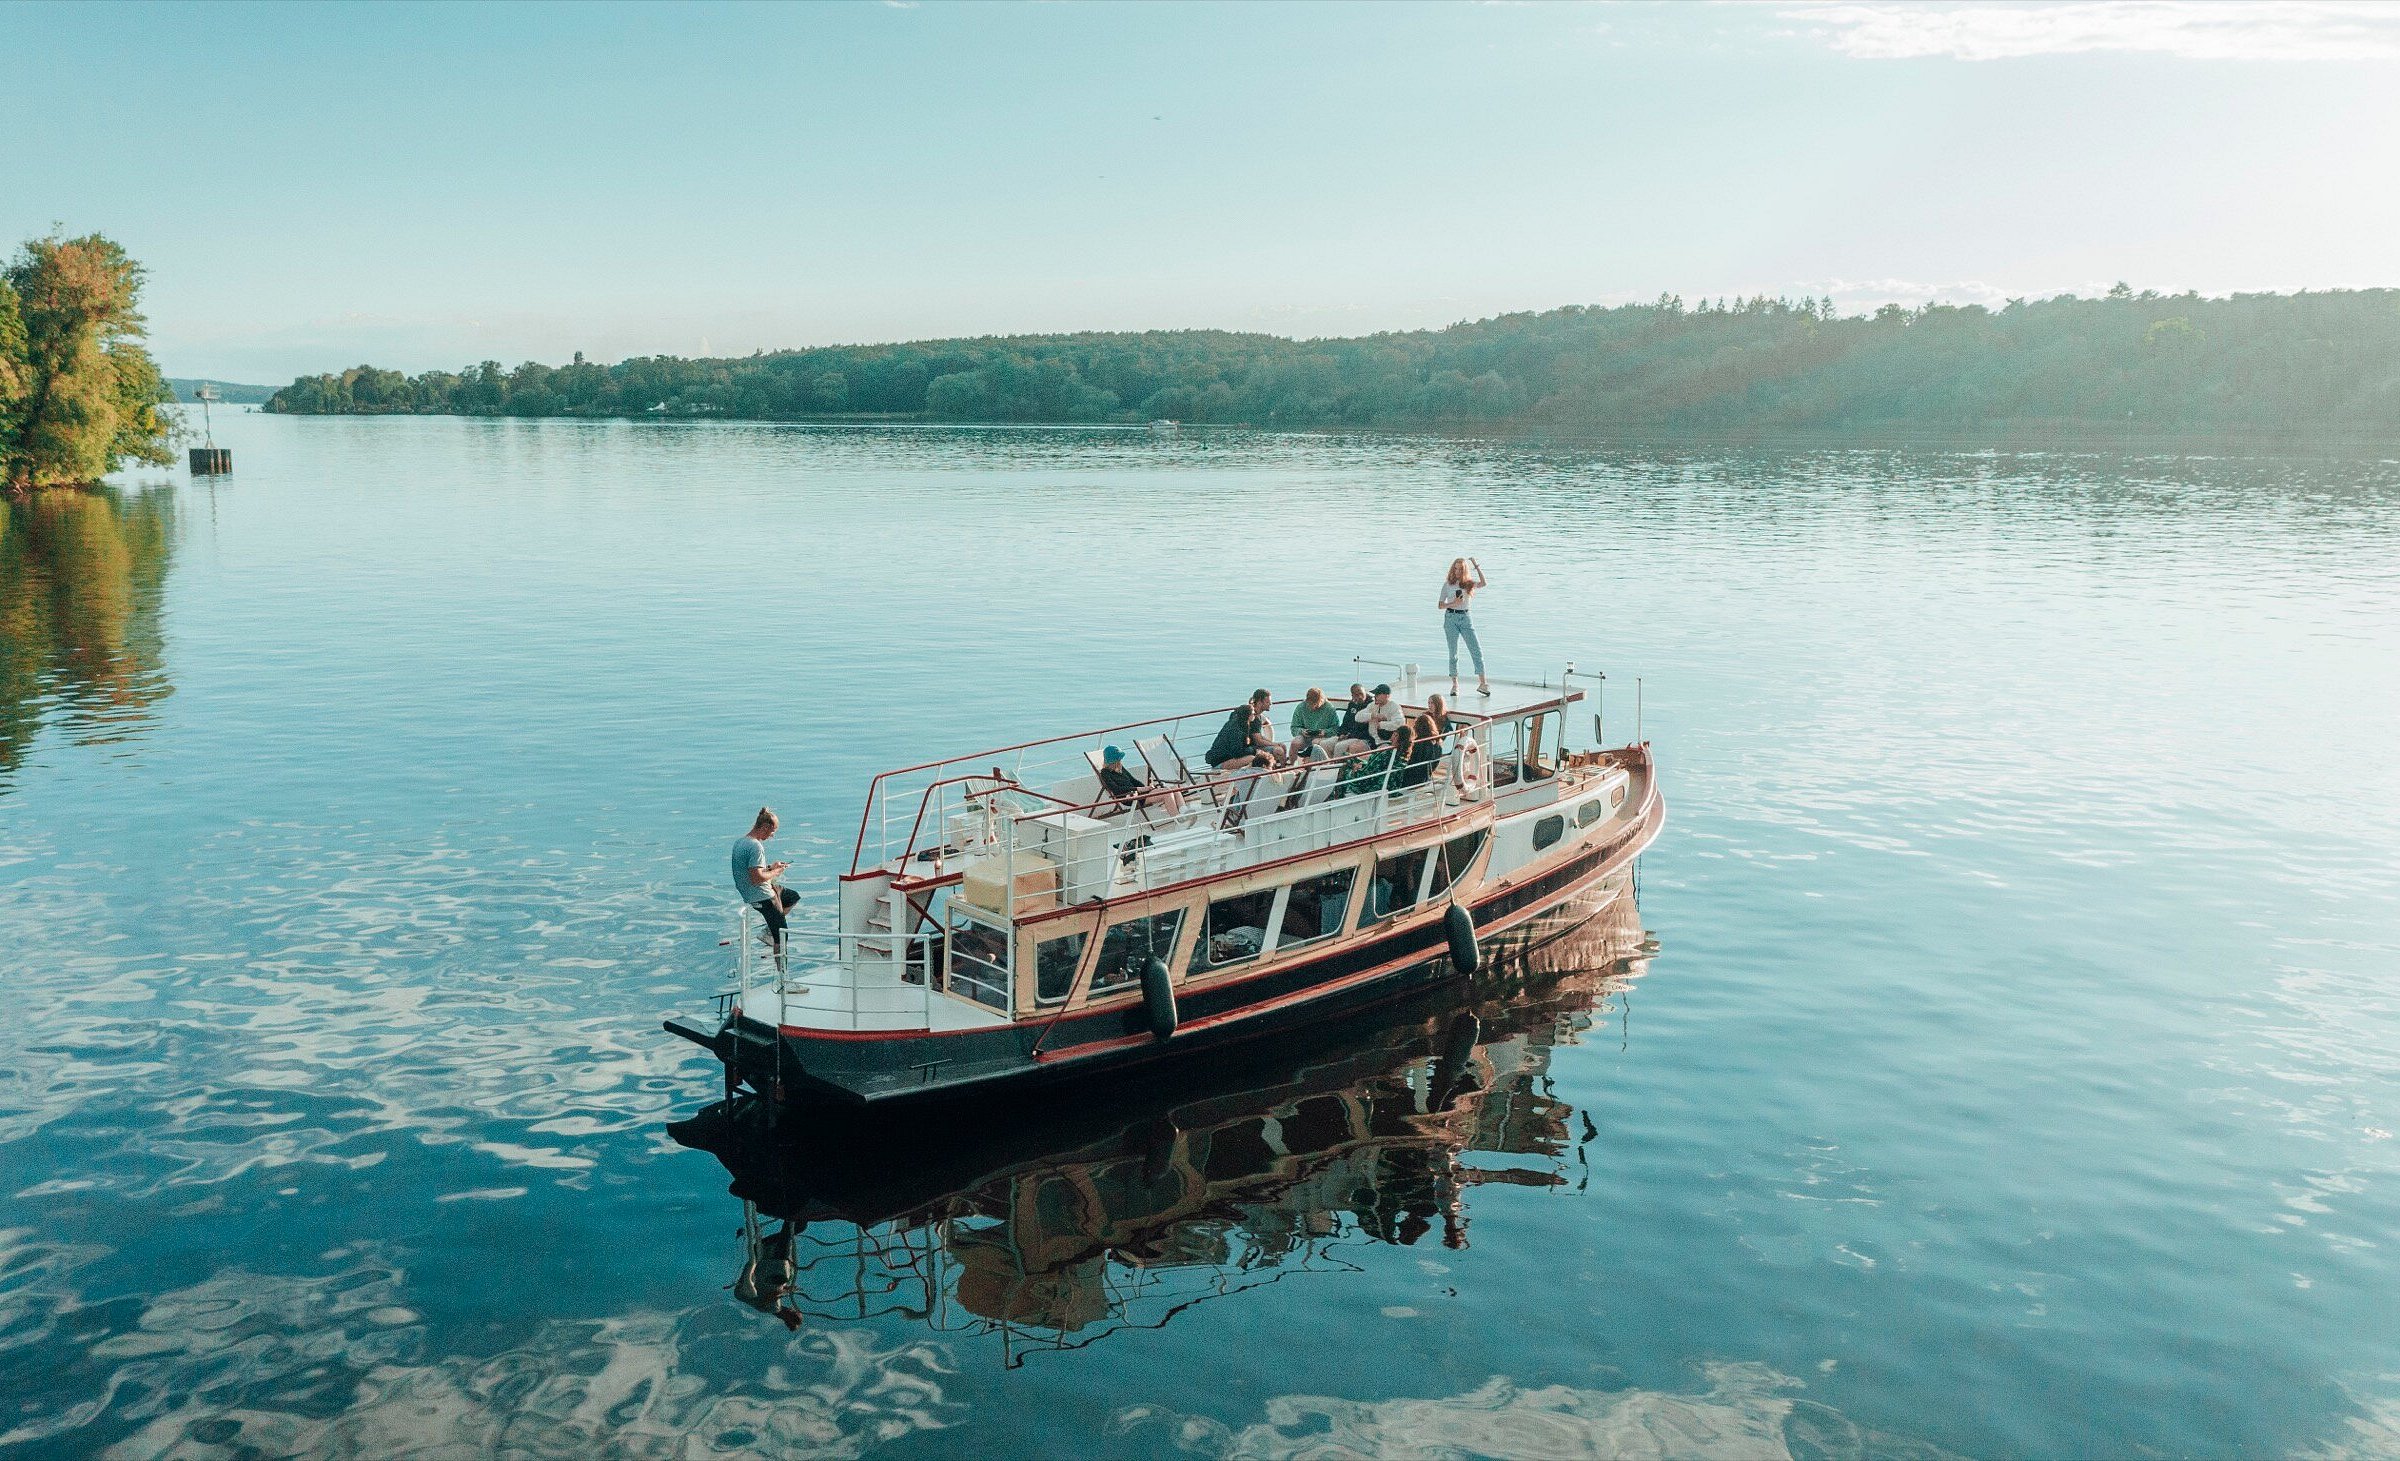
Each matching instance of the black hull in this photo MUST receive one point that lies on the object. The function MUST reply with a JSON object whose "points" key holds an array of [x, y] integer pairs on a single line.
{"points": [[792, 1069]]}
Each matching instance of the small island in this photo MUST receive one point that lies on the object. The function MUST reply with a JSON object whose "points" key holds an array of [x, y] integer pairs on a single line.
{"points": [[2127, 363]]}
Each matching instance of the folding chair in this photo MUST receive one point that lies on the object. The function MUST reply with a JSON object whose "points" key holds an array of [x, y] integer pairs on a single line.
{"points": [[1167, 768], [1139, 806], [1296, 795], [1251, 785]]}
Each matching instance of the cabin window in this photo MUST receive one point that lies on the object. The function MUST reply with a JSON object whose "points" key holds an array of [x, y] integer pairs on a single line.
{"points": [[1315, 909], [1054, 963], [978, 961], [1236, 930], [1458, 854], [1132, 944], [1502, 740], [1397, 880], [1548, 830], [1541, 736], [1590, 812], [1616, 796]]}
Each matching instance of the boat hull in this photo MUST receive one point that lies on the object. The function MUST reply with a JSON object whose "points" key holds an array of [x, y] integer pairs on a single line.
{"points": [[801, 1068]]}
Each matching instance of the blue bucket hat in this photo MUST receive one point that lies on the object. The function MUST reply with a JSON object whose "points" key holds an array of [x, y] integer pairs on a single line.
{"points": [[1110, 756]]}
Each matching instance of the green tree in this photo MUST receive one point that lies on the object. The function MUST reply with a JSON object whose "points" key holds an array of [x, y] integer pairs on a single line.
{"points": [[80, 393]]}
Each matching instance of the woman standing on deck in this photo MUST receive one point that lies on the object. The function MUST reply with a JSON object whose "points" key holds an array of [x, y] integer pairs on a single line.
{"points": [[1465, 576]]}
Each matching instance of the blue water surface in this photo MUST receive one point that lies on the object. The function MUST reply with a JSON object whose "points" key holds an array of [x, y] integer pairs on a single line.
{"points": [[2002, 1061]]}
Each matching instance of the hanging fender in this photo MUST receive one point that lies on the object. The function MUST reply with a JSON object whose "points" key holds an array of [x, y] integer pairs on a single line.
{"points": [[1158, 998], [1465, 957]]}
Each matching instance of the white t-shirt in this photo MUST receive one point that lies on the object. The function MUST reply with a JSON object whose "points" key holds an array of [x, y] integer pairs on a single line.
{"points": [[1382, 720], [1454, 595]]}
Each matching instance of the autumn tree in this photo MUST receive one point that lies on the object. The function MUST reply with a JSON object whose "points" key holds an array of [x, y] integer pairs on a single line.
{"points": [[78, 392]]}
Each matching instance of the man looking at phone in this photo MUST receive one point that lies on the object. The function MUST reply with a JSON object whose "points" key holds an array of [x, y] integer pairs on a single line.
{"points": [[754, 877]]}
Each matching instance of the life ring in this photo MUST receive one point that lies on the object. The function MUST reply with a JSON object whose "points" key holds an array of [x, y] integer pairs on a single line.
{"points": [[1470, 769]]}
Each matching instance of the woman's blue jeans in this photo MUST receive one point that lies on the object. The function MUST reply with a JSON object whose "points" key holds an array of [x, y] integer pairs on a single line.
{"points": [[1455, 627]]}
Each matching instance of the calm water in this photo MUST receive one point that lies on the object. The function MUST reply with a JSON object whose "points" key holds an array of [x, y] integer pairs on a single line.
{"points": [[2000, 1057]]}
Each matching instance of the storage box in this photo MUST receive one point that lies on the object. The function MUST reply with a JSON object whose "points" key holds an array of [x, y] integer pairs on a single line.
{"points": [[1036, 884]]}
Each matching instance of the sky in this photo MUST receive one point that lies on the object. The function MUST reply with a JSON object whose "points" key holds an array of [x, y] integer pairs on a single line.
{"points": [[312, 187]]}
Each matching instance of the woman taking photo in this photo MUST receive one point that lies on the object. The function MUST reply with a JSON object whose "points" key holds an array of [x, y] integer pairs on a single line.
{"points": [[1465, 576]]}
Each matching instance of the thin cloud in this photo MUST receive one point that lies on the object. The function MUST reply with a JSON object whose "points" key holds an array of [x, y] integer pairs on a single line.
{"points": [[2232, 30]]}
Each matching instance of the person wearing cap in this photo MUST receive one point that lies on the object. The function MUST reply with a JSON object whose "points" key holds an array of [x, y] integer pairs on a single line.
{"points": [[1131, 791], [1383, 716], [1315, 723]]}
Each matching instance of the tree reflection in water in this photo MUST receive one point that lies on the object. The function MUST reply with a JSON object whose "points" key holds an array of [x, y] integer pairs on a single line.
{"points": [[1119, 1205], [80, 581]]}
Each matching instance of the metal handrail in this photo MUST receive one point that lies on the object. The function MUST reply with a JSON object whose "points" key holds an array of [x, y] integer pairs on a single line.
{"points": [[879, 788], [1386, 800], [875, 787], [794, 993]]}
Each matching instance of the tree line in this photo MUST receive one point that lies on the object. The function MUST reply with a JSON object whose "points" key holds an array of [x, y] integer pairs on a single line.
{"points": [[78, 392], [2126, 360]]}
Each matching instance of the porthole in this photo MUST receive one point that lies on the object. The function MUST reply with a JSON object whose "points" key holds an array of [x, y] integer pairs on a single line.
{"points": [[1547, 831]]}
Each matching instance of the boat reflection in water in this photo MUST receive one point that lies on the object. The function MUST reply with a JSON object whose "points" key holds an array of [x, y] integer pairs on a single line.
{"points": [[1053, 1229]]}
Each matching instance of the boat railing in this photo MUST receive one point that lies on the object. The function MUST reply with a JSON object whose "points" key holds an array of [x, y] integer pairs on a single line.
{"points": [[891, 831], [832, 980], [939, 788], [1229, 820]]}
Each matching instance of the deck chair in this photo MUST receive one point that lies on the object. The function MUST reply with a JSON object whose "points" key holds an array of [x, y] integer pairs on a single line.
{"points": [[1250, 787], [1139, 807], [1296, 795], [1167, 768]]}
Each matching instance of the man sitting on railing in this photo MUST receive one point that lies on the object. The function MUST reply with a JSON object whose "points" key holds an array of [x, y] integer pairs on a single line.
{"points": [[754, 877], [1247, 738]]}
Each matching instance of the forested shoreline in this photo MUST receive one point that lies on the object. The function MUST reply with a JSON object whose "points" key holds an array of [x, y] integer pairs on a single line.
{"points": [[2127, 361]]}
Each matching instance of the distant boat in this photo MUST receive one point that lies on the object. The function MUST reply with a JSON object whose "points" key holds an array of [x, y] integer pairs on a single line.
{"points": [[1007, 922], [1161, 426]]}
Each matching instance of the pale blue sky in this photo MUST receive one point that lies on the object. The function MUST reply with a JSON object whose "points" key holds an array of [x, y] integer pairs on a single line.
{"points": [[313, 186]]}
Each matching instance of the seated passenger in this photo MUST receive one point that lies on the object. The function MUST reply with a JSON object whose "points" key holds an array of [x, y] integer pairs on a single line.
{"points": [[1315, 727], [1384, 717], [1354, 736], [1130, 791], [1423, 753], [1437, 713], [1372, 772], [1247, 738]]}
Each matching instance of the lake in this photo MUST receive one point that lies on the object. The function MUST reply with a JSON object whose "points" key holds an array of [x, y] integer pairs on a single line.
{"points": [[1997, 1055]]}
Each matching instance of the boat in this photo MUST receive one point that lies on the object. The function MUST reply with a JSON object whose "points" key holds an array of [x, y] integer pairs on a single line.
{"points": [[1051, 1228], [1006, 925]]}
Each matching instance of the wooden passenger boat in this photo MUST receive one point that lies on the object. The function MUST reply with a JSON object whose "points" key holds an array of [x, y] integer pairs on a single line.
{"points": [[1007, 924], [1192, 1180]]}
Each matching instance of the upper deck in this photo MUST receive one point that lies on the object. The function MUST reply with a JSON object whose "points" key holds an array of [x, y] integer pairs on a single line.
{"points": [[1027, 827]]}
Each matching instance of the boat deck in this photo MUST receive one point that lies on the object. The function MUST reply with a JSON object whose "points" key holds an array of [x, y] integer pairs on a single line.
{"points": [[869, 997]]}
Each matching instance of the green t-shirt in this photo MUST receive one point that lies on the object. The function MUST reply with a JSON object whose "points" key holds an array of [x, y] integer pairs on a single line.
{"points": [[1324, 720]]}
